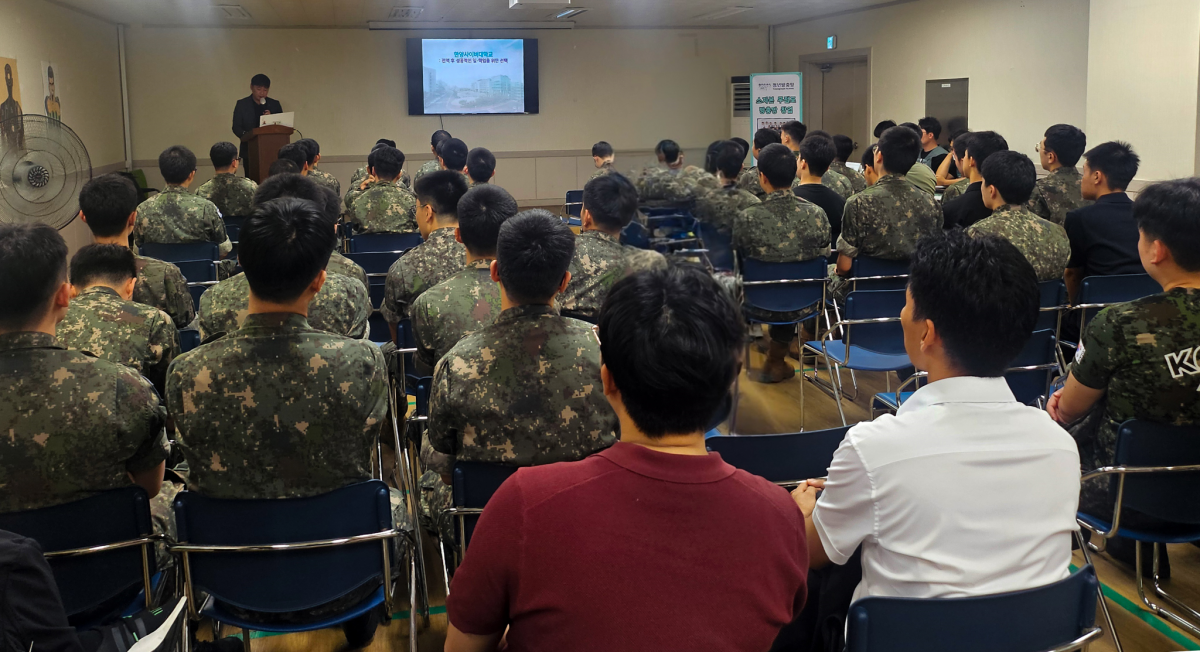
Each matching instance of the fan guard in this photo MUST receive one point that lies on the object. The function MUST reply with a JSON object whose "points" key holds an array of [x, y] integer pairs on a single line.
{"points": [[43, 166]]}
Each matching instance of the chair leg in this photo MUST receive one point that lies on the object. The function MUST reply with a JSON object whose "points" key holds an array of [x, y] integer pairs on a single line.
{"points": [[835, 377], [1187, 619], [444, 554], [1087, 557], [412, 595], [245, 640]]}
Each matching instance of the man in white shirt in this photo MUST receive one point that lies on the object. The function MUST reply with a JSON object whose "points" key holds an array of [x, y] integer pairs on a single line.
{"points": [[964, 491]]}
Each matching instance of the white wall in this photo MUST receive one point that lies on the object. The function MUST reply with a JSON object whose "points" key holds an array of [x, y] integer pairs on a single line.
{"points": [[1027, 60]]}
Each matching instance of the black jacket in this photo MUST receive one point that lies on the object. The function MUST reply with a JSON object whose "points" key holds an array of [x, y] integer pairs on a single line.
{"points": [[246, 114], [966, 209], [30, 609]]}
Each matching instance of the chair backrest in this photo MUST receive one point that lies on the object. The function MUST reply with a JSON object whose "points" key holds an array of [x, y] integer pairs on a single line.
{"points": [[197, 271], [574, 203], [473, 486], [376, 264], [177, 252], [388, 242], [719, 246], [655, 211], [189, 338], [1029, 375], [1100, 291], [197, 291], [377, 327], [424, 386], [1053, 301], [636, 235], [885, 337], [786, 287], [1033, 620], [86, 582], [233, 227], [869, 273], [285, 580], [783, 458], [1173, 496]]}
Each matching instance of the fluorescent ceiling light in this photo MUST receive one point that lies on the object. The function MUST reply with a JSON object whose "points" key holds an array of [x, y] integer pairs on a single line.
{"points": [[391, 24], [568, 13], [722, 13]]}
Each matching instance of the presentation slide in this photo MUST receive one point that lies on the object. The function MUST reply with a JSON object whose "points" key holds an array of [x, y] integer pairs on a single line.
{"points": [[473, 75]]}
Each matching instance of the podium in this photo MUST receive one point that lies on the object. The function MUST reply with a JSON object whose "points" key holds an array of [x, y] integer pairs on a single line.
{"points": [[262, 149]]}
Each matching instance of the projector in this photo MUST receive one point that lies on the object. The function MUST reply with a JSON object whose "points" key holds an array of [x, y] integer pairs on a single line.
{"points": [[512, 4]]}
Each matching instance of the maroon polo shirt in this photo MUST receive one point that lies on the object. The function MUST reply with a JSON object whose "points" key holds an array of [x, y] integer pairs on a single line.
{"points": [[633, 549]]}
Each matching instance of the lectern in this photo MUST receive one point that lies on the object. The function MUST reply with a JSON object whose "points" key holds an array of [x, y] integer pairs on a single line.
{"points": [[262, 149]]}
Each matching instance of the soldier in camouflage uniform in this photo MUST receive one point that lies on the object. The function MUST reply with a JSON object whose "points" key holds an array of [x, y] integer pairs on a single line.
{"points": [[1058, 193], [782, 229], [319, 176], [75, 425], [385, 207], [837, 183], [845, 146], [1008, 178], [435, 260], [232, 195], [720, 207], [341, 307], [362, 173], [440, 136], [108, 206], [600, 260], [603, 157], [525, 390], [955, 190], [659, 184], [103, 321], [426, 168], [481, 167]]}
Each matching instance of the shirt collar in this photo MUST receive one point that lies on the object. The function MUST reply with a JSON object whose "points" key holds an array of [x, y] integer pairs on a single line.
{"points": [[1008, 210], [285, 321], [100, 289], [28, 340], [777, 194], [599, 235], [960, 389], [169, 189], [669, 467], [482, 263], [1115, 198], [513, 314], [891, 177], [446, 232]]}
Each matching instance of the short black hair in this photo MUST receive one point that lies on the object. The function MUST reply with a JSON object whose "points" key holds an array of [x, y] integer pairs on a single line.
{"points": [[795, 129], [710, 156], [883, 126], [311, 147], [845, 146], [818, 151], [602, 149], [299, 186], [983, 144], [912, 125], [454, 154], [743, 144], [1067, 142], [387, 162], [481, 164], [97, 263], [383, 141], [959, 144], [282, 166], [669, 150], [982, 295], [441, 190], [730, 159], [436, 139], [533, 251], [901, 147], [107, 201], [223, 154], [611, 200], [778, 164], [671, 340], [1012, 175], [1170, 213], [260, 80], [33, 265], [283, 246], [176, 163], [1116, 160], [481, 212], [868, 157], [932, 125], [764, 137], [296, 153], [956, 133]]}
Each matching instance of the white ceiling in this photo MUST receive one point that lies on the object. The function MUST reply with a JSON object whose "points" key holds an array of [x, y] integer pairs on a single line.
{"points": [[357, 13]]}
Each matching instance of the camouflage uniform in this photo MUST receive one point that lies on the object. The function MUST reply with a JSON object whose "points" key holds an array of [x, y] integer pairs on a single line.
{"points": [[232, 195], [748, 181], [160, 284], [279, 410], [523, 391], [857, 181], [175, 216], [721, 207], [100, 322], [1044, 243], [837, 183], [955, 190], [341, 307], [603, 170], [1057, 194], [1142, 353], [452, 309], [423, 267], [660, 184], [600, 261], [385, 208], [339, 264], [426, 168], [326, 179], [696, 181]]}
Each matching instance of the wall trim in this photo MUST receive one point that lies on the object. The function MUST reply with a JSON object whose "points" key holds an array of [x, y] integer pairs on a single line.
{"points": [[844, 12]]}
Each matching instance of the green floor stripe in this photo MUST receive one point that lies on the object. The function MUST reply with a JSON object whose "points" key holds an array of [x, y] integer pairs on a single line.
{"points": [[400, 615], [1154, 621]]}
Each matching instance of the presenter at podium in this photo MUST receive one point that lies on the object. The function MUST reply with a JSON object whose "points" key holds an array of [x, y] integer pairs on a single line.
{"points": [[249, 110]]}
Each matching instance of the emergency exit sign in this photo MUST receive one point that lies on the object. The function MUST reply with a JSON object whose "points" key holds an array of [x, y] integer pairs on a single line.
{"points": [[831, 43]]}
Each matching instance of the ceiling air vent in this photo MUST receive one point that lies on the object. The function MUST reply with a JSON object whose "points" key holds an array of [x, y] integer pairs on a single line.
{"points": [[234, 12], [405, 13]]}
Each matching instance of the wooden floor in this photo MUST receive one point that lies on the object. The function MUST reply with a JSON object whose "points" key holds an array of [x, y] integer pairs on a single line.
{"points": [[764, 409]]}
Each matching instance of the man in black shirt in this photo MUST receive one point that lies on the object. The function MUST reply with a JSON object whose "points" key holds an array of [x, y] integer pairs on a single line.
{"points": [[1104, 236], [31, 613], [248, 110], [969, 208], [817, 152]]}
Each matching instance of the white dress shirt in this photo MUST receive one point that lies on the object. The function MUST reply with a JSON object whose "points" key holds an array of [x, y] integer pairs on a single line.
{"points": [[963, 492]]}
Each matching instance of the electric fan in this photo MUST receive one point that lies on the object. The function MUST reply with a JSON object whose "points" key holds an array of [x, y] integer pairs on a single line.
{"points": [[43, 166]]}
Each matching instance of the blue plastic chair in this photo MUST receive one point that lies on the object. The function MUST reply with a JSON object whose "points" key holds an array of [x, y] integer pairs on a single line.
{"points": [[176, 252], [872, 339], [787, 459], [573, 206], [1051, 306], [1052, 618], [189, 338], [1097, 292], [867, 273], [636, 235], [718, 246], [100, 549], [474, 485], [287, 556], [1156, 473], [198, 271], [390, 242]]}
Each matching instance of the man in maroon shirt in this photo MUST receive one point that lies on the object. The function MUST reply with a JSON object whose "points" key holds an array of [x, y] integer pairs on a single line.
{"points": [[654, 543]]}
